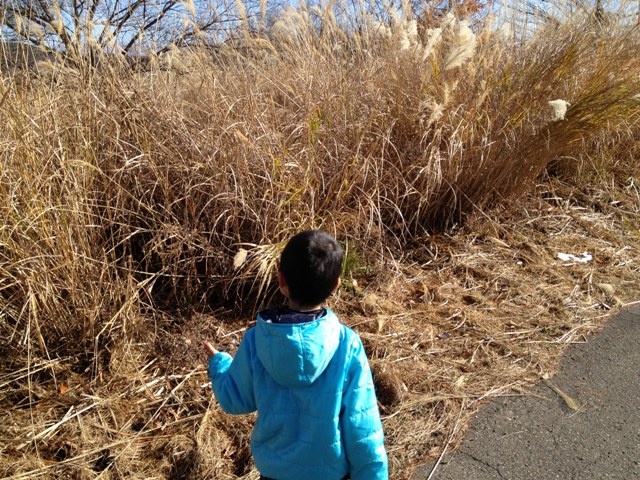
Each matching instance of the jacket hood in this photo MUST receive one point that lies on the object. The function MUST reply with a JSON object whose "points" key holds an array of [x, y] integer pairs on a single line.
{"points": [[295, 355]]}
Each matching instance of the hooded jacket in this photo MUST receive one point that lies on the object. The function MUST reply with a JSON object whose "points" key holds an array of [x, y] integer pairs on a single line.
{"points": [[312, 387]]}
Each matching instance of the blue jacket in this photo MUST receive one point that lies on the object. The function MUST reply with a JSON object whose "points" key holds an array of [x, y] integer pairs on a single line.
{"points": [[311, 385]]}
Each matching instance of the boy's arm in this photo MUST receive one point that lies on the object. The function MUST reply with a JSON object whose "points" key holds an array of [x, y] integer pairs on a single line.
{"points": [[232, 378], [360, 420]]}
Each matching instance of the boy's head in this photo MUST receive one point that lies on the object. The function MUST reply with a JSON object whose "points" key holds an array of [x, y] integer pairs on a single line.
{"points": [[311, 263]]}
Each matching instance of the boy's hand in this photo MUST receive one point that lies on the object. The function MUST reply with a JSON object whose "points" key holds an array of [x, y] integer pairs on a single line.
{"points": [[209, 349]]}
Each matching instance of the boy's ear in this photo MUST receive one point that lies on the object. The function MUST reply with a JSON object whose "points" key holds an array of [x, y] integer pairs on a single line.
{"points": [[337, 285], [282, 283]]}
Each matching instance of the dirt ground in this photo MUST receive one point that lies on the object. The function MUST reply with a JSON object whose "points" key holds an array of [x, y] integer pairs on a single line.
{"points": [[461, 317]]}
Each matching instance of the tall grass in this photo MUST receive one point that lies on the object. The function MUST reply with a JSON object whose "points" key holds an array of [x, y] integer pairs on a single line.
{"points": [[128, 188], [125, 190]]}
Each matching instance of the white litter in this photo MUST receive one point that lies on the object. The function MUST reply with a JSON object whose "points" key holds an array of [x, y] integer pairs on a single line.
{"points": [[585, 257]]}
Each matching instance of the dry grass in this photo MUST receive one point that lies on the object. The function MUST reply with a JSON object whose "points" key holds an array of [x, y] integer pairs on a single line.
{"points": [[492, 312], [482, 312], [128, 196]]}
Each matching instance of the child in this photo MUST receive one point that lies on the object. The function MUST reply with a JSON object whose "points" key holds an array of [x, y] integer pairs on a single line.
{"points": [[307, 376]]}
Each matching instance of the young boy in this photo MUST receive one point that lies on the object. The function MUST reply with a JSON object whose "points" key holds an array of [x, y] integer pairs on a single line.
{"points": [[307, 376]]}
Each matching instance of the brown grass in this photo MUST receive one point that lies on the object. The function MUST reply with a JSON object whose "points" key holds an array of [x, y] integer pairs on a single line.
{"points": [[128, 195]]}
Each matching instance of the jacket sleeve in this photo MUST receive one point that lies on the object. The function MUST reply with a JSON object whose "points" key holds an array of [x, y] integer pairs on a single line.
{"points": [[360, 421], [232, 379]]}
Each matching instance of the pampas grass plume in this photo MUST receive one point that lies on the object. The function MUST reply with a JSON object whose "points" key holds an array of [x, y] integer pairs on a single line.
{"points": [[462, 44], [559, 108], [240, 258]]}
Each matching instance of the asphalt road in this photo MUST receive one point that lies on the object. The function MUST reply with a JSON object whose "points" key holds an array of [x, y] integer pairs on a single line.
{"points": [[528, 438]]}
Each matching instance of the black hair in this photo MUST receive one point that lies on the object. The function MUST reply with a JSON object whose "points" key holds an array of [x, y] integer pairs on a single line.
{"points": [[311, 263]]}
